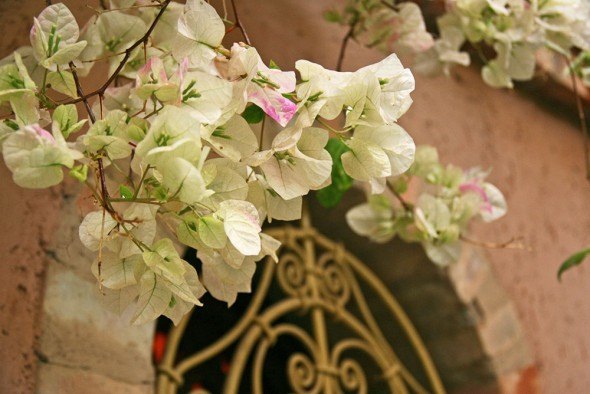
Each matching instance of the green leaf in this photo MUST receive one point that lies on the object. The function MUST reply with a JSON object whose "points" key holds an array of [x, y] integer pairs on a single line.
{"points": [[80, 172], [125, 192], [273, 65], [333, 16], [253, 114], [331, 195], [572, 261]]}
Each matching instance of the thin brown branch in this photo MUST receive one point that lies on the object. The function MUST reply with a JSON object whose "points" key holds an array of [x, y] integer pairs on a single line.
{"points": [[128, 51], [239, 24], [513, 243], [581, 117], [343, 47], [81, 92], [388, 5], [103, 187], [406, 205]]}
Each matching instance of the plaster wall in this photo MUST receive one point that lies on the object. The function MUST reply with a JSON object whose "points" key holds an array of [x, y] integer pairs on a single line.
{"points": [[537, 160]]}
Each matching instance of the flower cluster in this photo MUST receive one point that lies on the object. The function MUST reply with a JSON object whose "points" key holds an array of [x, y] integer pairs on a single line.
{"points": [[172, 147], [450, 199], [505, 34]]}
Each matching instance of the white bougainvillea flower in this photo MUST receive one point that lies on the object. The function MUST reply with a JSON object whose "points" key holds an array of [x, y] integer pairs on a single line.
{"points": [[373, 219], [515, 61], [410, 33], [94, 48], [35, 156], [117, 273], [261, 85], [234, 140], [445, 52], [138, 221], [178, 306], [152, 80], [109, 135], [166, 31], [242, 226], [65, 120], [17, 87], [271, 205], [402, 30], [224, 281], [54, 37], [493, 204], [370, 145], [378, 152], [321, 90], [207, 95], [169, 286], [432, 215], [362, 100], [201, 31], [163, 259], [119, 98], [154, 297], [171, 126], [396, 83], [172, 147], [226, 179], [305, 166], [183, 180], [444, 254]]}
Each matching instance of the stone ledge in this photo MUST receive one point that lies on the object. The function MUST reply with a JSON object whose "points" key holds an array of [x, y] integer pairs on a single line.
{"points": [[78, 331], [57, 379]]}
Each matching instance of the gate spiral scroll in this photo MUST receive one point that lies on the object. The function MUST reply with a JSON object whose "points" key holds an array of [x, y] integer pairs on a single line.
{"points": [[319, 279]]}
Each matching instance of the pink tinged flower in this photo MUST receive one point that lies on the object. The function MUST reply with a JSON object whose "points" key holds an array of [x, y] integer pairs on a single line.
{"points": [[486, 206], [273, 104], [181, 71], [153, 69], [41, 132]]}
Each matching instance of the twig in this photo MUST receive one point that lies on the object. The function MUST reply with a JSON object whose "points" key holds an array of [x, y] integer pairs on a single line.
{"points": [[136, 193], [513, 243], [81, 93], [239, 24], [388, 5], [406, 205], [581, 117], [103, 187], [343, 46], [128, 51], [137, 200]]}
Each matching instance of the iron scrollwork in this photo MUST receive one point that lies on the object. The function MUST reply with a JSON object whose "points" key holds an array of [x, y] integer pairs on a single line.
{"points": [[320, 279]]}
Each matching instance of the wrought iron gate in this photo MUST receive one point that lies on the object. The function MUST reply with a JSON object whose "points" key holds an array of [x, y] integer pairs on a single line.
{"points": [[320, 279]]}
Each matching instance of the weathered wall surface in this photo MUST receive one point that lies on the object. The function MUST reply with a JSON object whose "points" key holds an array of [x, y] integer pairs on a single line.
{"points": [[28, 220], [55, 337], [537, 160]]}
